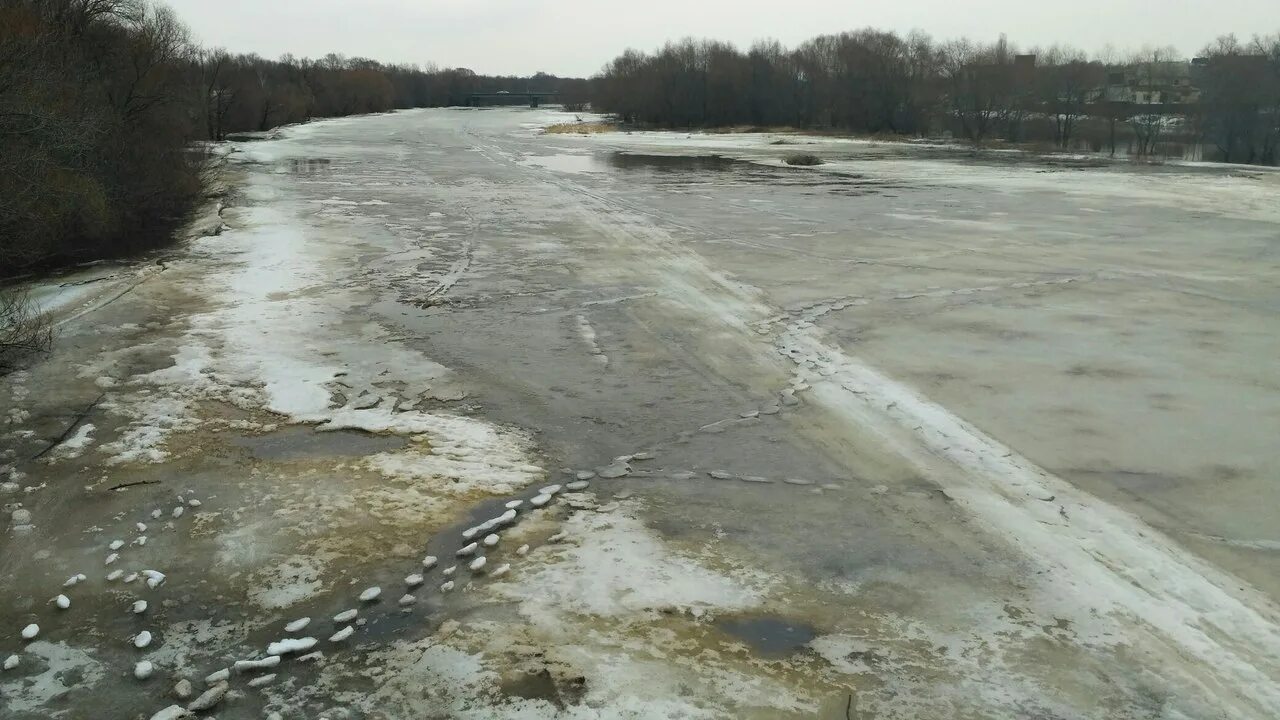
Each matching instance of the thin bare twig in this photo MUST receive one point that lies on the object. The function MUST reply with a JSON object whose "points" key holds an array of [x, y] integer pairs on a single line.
{"points": [[122, 486]]}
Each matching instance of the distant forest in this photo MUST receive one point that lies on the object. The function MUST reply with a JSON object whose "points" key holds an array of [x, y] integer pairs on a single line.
{"points": [[102, 102], [876, 82]]}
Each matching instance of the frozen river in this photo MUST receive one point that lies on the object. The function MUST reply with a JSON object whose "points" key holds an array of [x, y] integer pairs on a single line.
{"points": [[917, 433]]}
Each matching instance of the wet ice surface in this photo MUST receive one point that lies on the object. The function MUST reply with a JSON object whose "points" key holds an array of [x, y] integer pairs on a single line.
{"points": [[916, 434]]}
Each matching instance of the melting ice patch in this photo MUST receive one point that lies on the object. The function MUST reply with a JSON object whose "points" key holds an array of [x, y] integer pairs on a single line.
{"points": [[67, 668], [622, 569], [75, 445]]}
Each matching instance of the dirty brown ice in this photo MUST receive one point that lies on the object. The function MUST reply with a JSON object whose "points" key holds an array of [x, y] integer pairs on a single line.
{"points": [[435, 415]]}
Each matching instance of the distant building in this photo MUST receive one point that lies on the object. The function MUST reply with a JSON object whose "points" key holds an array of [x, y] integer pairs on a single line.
{"points": [[1153, 83]]}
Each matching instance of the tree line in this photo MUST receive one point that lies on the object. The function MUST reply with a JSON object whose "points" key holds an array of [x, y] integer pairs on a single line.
{"points": [[103, 104], [872, 81]]}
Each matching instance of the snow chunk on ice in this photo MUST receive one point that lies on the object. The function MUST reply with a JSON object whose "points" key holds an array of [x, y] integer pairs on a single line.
{"points": [[250, 665], [346, 616], [173, 712], [370, 594], [30, 632], [342, 634], [297, 625], [291, 645], [143, 669], [262, 680]]}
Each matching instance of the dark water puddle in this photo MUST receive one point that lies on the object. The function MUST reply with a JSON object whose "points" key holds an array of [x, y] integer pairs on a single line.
{"points": [[769, 636], [692, 169], [300, 443], [540, 685], [672, 163]]}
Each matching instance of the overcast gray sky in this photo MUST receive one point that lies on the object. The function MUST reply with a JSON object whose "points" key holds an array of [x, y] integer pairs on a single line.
{"points": [[520, 37]]}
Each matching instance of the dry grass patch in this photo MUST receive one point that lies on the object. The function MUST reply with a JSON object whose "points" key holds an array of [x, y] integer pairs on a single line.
{"points": [[805, 159], [582, 128]]}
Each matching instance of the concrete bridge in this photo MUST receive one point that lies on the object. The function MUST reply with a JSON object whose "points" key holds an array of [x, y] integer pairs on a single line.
{"points": [[509, 98]]}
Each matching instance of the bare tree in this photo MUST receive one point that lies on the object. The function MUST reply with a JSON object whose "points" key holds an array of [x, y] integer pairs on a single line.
{"points": [[24, 330], [1066, 84], [1155, 74]]}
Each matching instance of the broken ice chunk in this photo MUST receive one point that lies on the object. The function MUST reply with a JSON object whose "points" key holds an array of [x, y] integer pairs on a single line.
{"points": [[342, 634]]}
